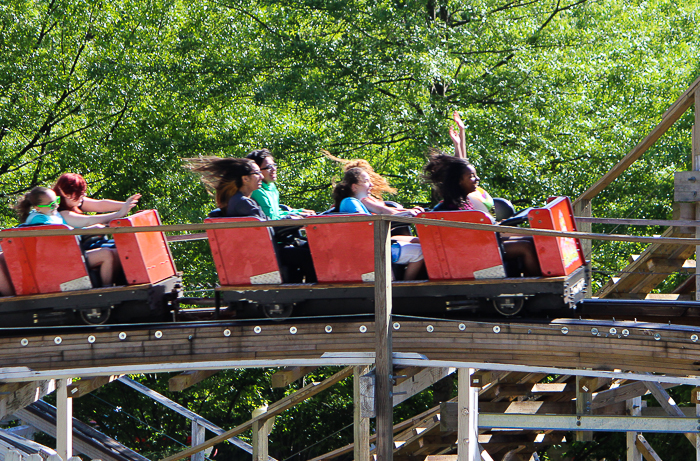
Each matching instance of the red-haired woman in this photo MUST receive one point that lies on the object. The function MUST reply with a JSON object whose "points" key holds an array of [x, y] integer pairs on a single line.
{"points": [[71, 187]]}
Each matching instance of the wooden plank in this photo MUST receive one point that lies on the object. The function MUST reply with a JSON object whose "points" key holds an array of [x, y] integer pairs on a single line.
{"points": [[449, 410], [288, 375], [24, 395], [584, 208], [86, 439], [398, 427], [677, 109], [86, 385], [189, 379], [198, 436], [274, 410], [418, 383], [646, 450], [192, 416], [383, 343], [668, 404], [361, 440], [583, 405], [64, 419], [516, 390]]}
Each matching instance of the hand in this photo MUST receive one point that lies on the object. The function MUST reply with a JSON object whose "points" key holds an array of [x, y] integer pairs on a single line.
{"points": [[454, 135], [308, 213], [418, 209], [129, 204], [458, 120], [133, 200]]}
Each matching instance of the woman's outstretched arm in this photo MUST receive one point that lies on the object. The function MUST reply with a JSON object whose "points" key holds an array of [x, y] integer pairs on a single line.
{"points": [[80, 220]]}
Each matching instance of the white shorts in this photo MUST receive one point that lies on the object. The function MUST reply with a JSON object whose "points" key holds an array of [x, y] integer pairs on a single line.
{"points": [[404, 252]]}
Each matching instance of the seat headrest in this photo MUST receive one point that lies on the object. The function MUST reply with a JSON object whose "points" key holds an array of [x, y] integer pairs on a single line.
{"points": [[503, 209]]}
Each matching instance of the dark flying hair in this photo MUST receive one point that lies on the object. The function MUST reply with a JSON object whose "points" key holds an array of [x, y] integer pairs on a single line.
{"points": [[445, 172], [221, 176]]}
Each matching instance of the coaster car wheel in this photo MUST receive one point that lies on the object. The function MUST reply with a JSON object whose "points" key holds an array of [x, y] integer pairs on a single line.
{"points": [[508, 306], [95, 316], [277, 311]]}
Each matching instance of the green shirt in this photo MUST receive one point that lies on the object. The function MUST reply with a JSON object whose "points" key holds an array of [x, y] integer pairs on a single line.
{"points": [[268, 197]]}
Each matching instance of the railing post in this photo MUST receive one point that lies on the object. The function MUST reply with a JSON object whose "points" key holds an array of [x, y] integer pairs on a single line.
{"points": [[634, 408], [468, 417], [361, 425], [64, 419], [584, 208], [198, 436], [383, 356]]}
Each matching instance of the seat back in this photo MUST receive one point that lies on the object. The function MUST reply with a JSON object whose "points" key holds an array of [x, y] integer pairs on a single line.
{"points": [[145, 256], [244, 256], [558, 255], [342, 252], [46, 264], [459, 254]]}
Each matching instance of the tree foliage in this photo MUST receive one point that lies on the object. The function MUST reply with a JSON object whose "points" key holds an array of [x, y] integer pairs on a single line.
{"points": [[553, 93]]}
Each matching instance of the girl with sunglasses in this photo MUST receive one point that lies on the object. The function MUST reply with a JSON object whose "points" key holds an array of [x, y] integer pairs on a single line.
{"points": [[40, 206]]}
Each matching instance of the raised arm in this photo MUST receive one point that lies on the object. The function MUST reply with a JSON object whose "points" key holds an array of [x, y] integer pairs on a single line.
{"points": [[80, 220], [102, 206], [460, 151]]}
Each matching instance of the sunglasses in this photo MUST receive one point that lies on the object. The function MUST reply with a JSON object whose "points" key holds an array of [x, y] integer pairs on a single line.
{"points": [[271, 166], [53, 204]]}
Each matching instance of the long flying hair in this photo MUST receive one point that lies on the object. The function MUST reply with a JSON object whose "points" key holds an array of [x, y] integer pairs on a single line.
{"points": [[27, 201], [344, 188], [445, 172], [379, 184], [222, 177]]}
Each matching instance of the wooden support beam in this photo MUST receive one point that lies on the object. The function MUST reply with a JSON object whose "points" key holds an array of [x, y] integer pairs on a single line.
{"points": [[192, 416], [449, 410], [668, 404], [198, 436], [361, 425], [467, 417], [621, 394], [188, 379], [421, 379], [288, 375], [261, 430], [274, 410], [418, 383], [584, 208], [24, 394], [383, 345], [517, 390], [86, 385], [64, 419], [645, 449], [672, 115], [583, 406], [634, 408], [403, 425]]}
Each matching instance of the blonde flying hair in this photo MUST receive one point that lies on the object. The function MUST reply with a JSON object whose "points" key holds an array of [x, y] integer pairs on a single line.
{"points": [[379, 184]]}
